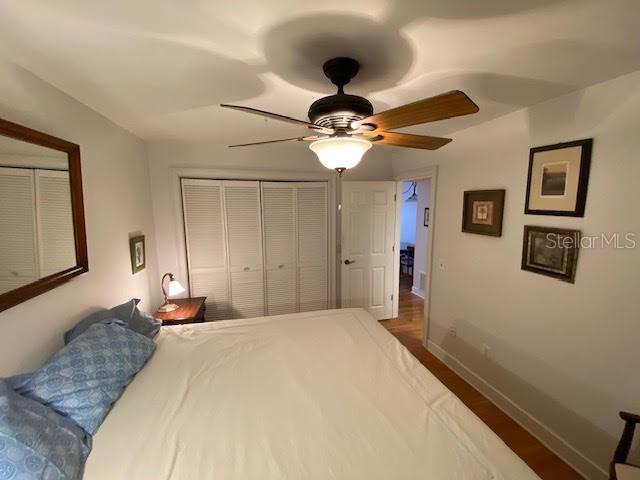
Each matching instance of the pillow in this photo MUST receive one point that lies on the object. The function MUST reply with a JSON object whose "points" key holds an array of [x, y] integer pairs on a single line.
{"points": [[126, 314], [83, 379], [143, 323], [36, 442]]}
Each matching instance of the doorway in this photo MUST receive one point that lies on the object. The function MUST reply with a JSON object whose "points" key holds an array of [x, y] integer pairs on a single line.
{"points": [[415, 218]]}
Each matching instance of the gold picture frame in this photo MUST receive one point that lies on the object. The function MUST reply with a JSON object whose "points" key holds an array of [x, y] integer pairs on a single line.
{"points": [[138, 253]]}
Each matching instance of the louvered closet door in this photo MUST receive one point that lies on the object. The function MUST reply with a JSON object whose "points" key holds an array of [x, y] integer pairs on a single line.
{"points": [[206, 245], [312, 246], [18, 248], [55, 222], [280, 247], [244, 241]]}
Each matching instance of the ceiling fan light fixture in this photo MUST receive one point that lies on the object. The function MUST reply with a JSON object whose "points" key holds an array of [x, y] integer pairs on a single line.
{"points": [[340, 153]]}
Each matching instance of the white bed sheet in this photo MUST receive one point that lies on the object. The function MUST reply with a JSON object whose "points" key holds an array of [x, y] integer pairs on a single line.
{"points": [[321, 395]]}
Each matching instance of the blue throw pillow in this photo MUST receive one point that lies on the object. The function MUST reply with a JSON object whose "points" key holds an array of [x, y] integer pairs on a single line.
{"points": [[83, 379], [126, 314], [36, 442], [143, 323]]}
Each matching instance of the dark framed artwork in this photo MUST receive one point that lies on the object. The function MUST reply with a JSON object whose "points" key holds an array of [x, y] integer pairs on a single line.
{"points": [[551, 251], [558, 179], [482, 212], [426, 217], [138, 253]]}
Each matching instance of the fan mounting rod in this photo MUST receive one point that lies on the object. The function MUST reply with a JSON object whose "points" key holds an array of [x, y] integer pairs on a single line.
{"points": [[340, 71], [340, 110]]}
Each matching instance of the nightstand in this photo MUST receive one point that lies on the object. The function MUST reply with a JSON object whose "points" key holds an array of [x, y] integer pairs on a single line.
{"points": [[191, 310]]}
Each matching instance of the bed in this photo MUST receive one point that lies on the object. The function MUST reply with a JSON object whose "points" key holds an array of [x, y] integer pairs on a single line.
{"points": [[319, 395]]}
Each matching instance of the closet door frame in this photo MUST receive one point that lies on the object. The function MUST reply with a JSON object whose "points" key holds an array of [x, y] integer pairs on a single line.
{"points": [[177, 174]]}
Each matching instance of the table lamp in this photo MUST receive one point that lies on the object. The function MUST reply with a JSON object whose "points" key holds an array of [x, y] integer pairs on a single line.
{"points": [[173, 288]]}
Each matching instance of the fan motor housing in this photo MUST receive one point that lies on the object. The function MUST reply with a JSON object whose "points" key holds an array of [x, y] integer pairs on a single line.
{"points": [[339, 110]]}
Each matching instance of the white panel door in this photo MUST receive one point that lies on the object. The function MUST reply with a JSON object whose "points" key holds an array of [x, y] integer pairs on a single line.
{"points": [[206, 245], [244, 243], [368, 223], [280, 247], [312, 246], [18, 245], [56, 242]]}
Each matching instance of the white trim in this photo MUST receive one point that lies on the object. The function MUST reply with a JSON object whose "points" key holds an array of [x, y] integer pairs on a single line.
{"points": [[535, 427], [176, 173], [417, 174], [35, 161], [395, 305], [17, 171], [417, 292], [430, 173]]}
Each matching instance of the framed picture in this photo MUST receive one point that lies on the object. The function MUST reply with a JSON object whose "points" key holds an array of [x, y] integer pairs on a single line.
{"points": [[426, 217], [558, 179], [551, 251], [138, 253], [482, 212]]}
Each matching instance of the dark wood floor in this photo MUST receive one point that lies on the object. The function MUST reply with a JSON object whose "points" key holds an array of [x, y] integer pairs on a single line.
{"points": [[407, 328]]}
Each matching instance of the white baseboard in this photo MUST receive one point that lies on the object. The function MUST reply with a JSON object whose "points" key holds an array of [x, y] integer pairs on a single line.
{"points": [[546, 435], [417, 292]]}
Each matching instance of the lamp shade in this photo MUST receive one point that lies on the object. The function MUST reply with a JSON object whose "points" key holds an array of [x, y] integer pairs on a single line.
{"points": [[340, 153], [174, 288]]}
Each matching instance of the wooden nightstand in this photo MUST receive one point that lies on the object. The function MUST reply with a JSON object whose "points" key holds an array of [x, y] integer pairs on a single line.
{"points": [[191, 311]]}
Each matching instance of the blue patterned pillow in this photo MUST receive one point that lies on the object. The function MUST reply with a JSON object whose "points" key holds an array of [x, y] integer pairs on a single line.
{"points": [[83, 379], [127, 314], [36, 442]]}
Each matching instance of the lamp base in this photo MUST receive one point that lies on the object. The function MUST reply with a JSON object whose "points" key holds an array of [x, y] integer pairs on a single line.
{"points": [[168, 307]]}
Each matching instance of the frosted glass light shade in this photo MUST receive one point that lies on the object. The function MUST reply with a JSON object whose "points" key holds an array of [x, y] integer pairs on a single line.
{"points": [[174, 288], [339, 153]]}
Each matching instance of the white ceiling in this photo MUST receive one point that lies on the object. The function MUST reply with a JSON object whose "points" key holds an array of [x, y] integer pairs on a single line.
{"points": [[160, 68]]}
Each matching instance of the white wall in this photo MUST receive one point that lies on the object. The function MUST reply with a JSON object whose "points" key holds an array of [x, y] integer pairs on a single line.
{"points": [[292, 158], [566, 354], [422, 235], [117, 202], [407, 216]]}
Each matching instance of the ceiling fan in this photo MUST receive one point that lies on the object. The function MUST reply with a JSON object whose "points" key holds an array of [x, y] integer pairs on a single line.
{"points": [[344, 126]]}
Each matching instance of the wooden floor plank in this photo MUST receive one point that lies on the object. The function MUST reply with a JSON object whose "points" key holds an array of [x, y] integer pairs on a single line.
{"points": [[407, 328]]}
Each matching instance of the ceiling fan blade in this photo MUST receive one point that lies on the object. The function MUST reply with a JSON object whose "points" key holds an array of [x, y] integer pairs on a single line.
{"points": [[407, 140], [447, 105], [299, 139], [282, 118]]}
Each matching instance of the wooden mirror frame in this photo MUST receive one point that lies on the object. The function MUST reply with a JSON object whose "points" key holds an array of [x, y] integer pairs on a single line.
{"points": [[25, 292]]}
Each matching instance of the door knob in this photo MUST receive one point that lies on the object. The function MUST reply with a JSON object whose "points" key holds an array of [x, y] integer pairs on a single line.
{"points": [[349, 262]]}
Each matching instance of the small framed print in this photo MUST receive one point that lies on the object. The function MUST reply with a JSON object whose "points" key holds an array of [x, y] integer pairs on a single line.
{"points": [[482, 212], [558, 179], [138, 253], [426, 217], [551, 251]]}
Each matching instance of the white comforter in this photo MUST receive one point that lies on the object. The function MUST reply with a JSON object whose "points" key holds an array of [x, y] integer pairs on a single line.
{"points": [[322, 395]]}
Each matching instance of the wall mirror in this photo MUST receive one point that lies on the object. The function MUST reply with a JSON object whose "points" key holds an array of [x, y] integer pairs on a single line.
{"points": [[42, 230]]}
